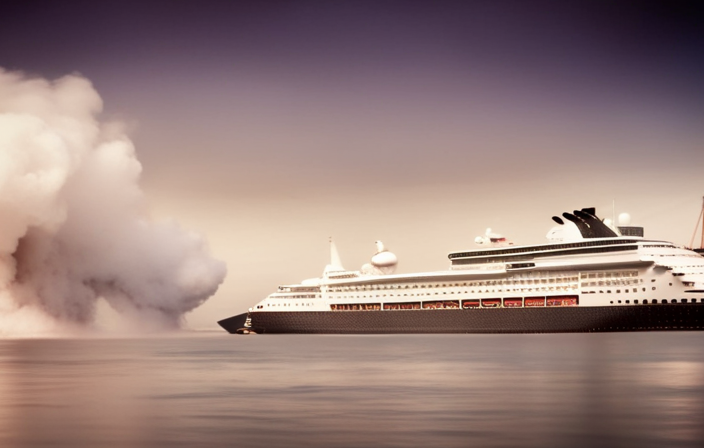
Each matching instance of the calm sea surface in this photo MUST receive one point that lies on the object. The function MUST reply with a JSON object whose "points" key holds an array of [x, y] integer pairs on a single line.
{"points": [[217, 390]]}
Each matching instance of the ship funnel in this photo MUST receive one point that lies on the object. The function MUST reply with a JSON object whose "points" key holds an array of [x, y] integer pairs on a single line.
{"points": [[586, 221]]}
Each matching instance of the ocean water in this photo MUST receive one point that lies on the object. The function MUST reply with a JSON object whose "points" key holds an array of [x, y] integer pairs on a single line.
{"points": [[218, 390]]}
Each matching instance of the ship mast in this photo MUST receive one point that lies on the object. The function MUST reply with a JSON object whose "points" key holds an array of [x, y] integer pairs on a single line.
{"points": [[701, 215]]}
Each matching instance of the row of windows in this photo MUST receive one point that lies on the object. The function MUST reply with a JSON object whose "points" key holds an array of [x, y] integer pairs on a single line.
{"points": [[621, 282], [618, 291], [662, 301], [299, 288], [517, 302], [610, 274], [514, 281], [287, 304], [343, 275], [533, 249], [571, 287], [512, 302], [522, 283], [524, 257], [294, 296], [356, 307]]}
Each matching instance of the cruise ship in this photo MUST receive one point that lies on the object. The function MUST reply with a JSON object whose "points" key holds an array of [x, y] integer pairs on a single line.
{"points": [[588, 277]]}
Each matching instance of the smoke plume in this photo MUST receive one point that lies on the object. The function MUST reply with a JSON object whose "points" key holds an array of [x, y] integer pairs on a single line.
{"points": [[73, 224]]}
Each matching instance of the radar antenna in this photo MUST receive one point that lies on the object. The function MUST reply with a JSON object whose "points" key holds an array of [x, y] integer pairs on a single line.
{"points": [[701, 215]]}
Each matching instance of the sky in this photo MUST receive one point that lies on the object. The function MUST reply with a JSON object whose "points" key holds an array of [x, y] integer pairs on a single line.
{"points": [[268, 127]]}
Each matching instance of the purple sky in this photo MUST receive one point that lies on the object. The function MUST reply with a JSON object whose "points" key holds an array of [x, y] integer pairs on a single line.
{"points": [[269, 126]]}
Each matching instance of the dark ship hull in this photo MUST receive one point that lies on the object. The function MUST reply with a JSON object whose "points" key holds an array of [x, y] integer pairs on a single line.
{"points": [[665, 317]]}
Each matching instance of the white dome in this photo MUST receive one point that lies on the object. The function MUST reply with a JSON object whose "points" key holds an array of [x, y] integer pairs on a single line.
{"points": [[383, 262], [384, 259]]}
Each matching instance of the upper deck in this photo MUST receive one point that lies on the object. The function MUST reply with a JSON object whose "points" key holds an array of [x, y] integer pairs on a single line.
{"points": [[522, 253]]}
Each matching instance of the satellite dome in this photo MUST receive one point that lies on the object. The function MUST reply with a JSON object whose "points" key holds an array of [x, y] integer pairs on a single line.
{"points": [[383, 262], [384, 259]]}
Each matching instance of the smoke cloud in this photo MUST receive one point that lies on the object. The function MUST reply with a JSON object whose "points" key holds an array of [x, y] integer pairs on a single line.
{"points": [[73, 222]]}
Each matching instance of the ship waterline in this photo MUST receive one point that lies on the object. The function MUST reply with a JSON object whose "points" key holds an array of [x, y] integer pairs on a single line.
{"points": [[588, 278]]}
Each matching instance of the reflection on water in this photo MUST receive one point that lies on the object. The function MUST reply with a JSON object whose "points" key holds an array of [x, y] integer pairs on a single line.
{"points": [[215, 389]]}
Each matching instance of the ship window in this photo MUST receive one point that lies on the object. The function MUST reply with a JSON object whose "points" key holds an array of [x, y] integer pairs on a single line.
{"points": [[619, 301], [683, 300], [653, 288], [673, 301], [628, 301], [664, 301], [636, 301]]}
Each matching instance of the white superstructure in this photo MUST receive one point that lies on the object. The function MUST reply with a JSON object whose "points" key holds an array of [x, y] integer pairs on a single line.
{"points": [[584, 264]]}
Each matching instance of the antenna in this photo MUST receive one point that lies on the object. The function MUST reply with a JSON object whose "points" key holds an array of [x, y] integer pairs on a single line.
{"points": [[701, 214]]}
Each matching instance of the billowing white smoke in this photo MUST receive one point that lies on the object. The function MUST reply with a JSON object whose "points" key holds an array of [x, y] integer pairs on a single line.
{"points": [[73, 227]]}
